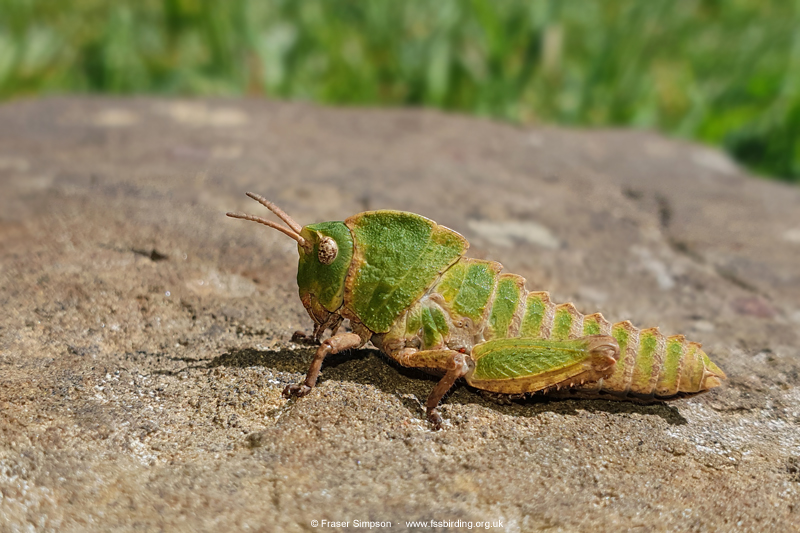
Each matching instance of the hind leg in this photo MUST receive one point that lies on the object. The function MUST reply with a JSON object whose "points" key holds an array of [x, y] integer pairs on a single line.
{"points": [[454, 364]]}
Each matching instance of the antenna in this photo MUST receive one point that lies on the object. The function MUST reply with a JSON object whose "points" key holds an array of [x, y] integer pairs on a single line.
{"points": [[292, 231]]}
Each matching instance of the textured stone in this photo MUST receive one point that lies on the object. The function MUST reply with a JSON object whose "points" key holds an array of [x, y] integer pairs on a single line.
{"points": [[145, 338]]}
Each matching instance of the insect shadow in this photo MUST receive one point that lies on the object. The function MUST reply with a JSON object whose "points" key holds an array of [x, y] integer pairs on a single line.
{"points": [[369, 367]]}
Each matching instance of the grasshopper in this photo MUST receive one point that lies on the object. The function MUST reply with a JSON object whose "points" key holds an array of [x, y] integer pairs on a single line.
{"points": [[404, 284]]}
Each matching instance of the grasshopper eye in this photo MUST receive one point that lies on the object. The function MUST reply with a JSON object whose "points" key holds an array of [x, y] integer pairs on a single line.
{"points": [[327, 250]]}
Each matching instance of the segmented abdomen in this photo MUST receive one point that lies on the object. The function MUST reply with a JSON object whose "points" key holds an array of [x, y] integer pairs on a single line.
{"points": [[473, 302], [651, 366]]}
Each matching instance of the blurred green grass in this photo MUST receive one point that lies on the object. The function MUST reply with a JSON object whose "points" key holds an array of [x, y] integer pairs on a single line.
{"points": [[725, 72]]}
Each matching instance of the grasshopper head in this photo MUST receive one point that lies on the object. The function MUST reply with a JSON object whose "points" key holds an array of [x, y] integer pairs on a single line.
{"points": [[326, 250]]}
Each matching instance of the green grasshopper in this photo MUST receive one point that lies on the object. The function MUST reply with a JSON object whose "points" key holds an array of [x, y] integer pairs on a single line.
{"points": [[403, 283]]}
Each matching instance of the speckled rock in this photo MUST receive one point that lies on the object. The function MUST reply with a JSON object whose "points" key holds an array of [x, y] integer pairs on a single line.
{"points": [[145, 338]]}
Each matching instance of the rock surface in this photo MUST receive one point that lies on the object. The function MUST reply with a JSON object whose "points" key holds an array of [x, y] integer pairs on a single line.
{"points": [[145, 337]]}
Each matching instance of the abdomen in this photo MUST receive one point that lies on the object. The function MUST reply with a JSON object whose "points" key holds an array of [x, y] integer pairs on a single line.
{"points": [[473, 302], [651, 365]]}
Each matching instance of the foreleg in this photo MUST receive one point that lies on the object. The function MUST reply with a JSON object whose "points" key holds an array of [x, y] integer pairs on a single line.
{"points": [[333, 345]]}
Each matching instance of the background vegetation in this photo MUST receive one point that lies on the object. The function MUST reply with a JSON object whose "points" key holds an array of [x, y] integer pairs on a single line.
{"points": [[726, 72]]}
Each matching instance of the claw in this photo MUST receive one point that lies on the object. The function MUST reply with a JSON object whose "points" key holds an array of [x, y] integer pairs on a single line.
{"points": [[297, 390], [299, 337], [436, 420]]}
